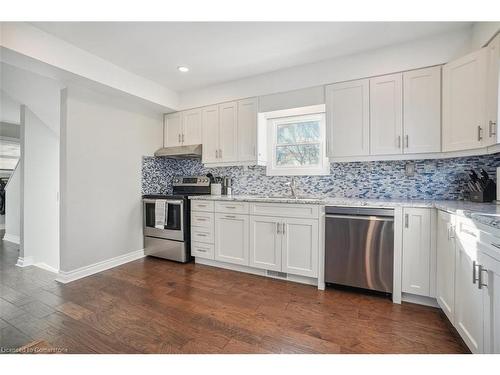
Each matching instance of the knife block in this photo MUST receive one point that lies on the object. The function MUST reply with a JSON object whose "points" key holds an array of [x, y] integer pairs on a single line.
{"points": [[487, 195]]}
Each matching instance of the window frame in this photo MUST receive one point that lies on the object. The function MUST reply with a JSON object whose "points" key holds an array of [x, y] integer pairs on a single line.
{"points": [[294, 115]]}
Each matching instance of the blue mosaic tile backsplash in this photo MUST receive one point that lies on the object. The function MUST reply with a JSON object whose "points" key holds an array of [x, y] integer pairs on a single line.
{"points": [[433, 179]]}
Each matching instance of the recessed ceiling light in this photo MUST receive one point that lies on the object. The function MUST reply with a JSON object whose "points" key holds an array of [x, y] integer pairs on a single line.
{"points": [[183, 69]]}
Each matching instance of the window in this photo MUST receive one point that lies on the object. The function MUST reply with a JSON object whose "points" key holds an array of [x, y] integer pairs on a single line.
{"points": [[296, 142]]}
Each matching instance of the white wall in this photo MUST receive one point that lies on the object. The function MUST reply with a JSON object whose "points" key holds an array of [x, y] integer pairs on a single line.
{"points": [[425, 52], [13, 207], [102, 144], [39, 190]]}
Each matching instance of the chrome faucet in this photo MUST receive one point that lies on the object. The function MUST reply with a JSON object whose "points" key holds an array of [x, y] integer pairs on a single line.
{"points": [[293, 187]]}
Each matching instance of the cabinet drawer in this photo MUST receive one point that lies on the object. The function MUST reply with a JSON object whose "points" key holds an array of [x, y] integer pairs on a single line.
{"points": [[285, 210], [232, 207], [199, 234], [207, 206], [202, 219], [202, 250]]}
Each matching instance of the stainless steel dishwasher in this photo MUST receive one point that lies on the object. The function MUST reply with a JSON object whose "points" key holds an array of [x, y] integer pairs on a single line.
{"points": [[359, 247]]}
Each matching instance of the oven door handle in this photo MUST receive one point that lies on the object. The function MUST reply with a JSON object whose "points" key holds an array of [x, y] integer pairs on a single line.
{"points": [[364, 217]]}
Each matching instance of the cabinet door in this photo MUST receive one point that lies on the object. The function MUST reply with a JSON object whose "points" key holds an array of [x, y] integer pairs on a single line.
{"points": [[172, 130], [300, 247], [417, 251], [191, 126], [464, 102], [491, 137], [445, 268], [491, 300], [468, 297], [422, 110], [265, 242], [231, 238], [228, 132], [386, 114], [348, 118], [247, 129], [210, 131]]}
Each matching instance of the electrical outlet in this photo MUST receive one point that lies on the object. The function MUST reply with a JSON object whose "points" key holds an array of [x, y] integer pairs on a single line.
{"points": [[410, 169]]}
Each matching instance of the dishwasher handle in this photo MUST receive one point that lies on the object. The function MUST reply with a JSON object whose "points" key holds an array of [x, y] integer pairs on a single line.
{"points": [[354, 217]]}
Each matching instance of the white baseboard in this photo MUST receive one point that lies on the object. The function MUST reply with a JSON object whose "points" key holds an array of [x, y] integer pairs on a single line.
{"points": [[68, 276], [25, 262], [46, 267], [419, 300], [257, 271], [12, 238]]}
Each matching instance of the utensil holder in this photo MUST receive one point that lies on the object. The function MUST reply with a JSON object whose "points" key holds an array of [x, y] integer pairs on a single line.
{"points": [[215, 189]]}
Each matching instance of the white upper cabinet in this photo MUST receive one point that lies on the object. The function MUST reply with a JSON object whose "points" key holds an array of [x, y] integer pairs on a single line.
{"points": [[386, 114], [422, 110], [464, 102], [191, 126], [417, 250], [228, 132], [172, 130], [348, 118], [493, 86], [210, 134], [247, 129]]}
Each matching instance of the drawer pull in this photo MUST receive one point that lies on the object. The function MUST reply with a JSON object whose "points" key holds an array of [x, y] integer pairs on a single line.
{"points": [[231, 207], [230, 217], [201, 234], [495, 245], [199, 219], [202, 250]]}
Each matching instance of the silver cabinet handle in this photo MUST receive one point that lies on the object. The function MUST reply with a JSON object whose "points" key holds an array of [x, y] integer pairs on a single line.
{"points": [[182, 137], [179, 136], [278, 228], [202, 250], [406, 140], [230, 217], [495, 245], [283, 228], [200, 219], [399, 141], [480, 283], [450, 232], [474, 273], [220, 153], [406, 220], [216, 154], [201, 234], [479, 133], [233, 207]]}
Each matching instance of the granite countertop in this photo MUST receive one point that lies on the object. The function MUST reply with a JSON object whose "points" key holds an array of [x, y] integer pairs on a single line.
{"points": [[483, 213]]}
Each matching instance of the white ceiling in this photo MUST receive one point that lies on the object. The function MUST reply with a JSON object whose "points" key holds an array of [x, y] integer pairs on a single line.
{"points": [[218, 52]]}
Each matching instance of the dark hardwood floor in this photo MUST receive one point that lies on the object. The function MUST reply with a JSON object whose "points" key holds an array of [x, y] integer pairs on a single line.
{"points": [[156, 306]]}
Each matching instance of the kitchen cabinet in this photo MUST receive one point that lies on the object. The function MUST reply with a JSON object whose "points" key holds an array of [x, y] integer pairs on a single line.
{"points": [[422, 110], [464, 102], [417, 251], [445, 264], [386, 114], [191, 127], [210, 134], [491, 301], [248, 130], [232, 238], [491, 137], [468, 297], [348, 118], [228, 132], [300, 247], [182, 128], [265, 242], [172, 130]]}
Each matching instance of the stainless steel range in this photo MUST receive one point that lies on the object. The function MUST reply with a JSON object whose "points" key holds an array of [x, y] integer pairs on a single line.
{"points": [[166, 219]]}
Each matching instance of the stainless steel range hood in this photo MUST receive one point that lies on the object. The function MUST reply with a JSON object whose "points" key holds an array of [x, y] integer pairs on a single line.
{"points": [[180, 152]]}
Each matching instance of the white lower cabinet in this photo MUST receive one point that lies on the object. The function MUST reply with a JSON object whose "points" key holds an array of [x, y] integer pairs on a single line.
{"points": [[231, 238], [300, 247], [417, 251], [265, 242], [490, 277], [468, 297], [445, 265]]}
